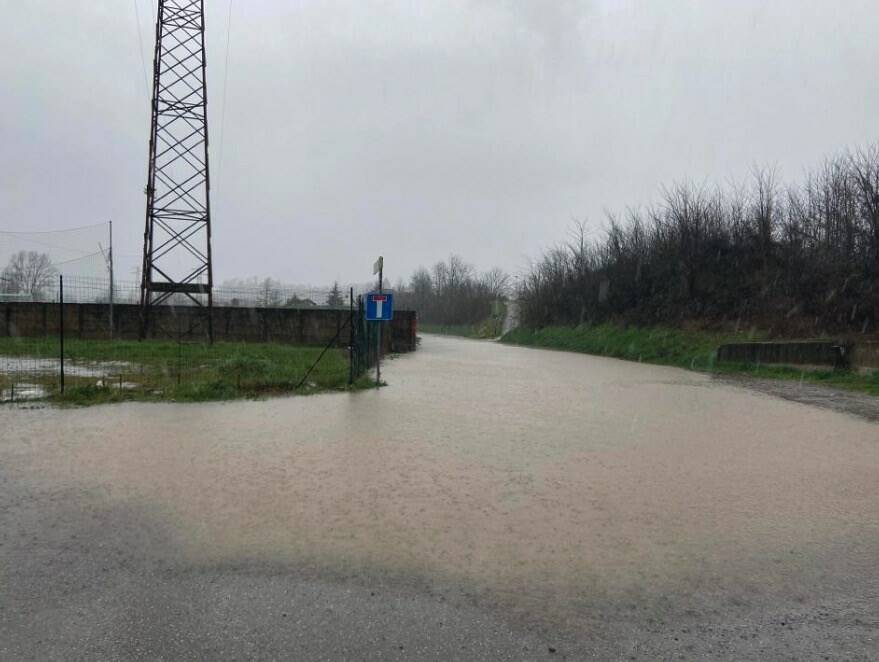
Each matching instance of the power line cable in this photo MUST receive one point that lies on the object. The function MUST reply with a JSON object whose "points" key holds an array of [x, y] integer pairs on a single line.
{"points": [[225, 89], [81, 227], [146, 84]]}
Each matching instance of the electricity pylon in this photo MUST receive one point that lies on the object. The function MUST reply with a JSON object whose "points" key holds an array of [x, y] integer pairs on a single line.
{"points": [[177, 237]]}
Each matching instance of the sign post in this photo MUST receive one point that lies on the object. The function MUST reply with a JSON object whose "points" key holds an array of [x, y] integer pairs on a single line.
{"points": [[380, 267], [379, 308]]}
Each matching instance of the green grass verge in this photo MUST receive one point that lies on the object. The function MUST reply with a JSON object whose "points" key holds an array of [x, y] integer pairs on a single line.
{"points": [[694, 350], [462, 330], [112, 371]]}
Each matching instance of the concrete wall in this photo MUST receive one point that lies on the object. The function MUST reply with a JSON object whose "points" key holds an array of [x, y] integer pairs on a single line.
{"points": [[804, 353], [298, 326], [861, 356], [864, 356]]}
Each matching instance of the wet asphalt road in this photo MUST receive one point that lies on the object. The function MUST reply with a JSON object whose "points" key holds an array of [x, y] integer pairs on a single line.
{"points": [[491, 503]]}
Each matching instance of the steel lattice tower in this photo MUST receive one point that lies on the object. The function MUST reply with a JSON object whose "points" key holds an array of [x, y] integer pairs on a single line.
{"points": [[177, 238]]}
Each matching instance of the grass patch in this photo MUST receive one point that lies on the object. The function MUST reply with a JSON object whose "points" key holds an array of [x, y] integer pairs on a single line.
{"points": [[694, 350], [99, 371], [490, 328], [663, 345]]}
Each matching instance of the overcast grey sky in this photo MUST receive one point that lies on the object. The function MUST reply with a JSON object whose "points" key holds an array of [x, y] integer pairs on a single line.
{"points": [[417, 129]]}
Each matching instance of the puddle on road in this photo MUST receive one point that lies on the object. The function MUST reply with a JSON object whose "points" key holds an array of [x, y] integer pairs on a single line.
{"points": [[549, 478]]}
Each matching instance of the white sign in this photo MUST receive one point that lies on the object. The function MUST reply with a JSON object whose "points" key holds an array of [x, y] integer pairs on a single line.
{"points": [[379, 263]]}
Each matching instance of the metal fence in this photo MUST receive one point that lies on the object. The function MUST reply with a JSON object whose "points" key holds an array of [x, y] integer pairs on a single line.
{"points": [[61, 364], [267, 294]]}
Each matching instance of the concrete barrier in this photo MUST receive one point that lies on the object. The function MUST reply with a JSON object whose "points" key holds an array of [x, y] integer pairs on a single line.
{"points": [[811, 353], [864, 356]]}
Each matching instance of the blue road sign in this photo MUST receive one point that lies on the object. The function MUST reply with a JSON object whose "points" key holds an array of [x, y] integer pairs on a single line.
{"points": [[379, 307]]}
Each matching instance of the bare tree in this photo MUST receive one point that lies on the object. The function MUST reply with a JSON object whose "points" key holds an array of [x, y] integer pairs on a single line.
{"points": [[28, 272], [269, 294], [763, 208], [865, 172], [495, 283], [454, 293], [803, 258]]}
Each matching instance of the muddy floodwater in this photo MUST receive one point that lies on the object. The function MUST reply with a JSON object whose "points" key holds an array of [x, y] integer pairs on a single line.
{"points": [[608, 509]]}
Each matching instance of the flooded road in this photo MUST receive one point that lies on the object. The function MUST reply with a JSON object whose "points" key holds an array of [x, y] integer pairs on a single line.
{"points": [[492, 502]]}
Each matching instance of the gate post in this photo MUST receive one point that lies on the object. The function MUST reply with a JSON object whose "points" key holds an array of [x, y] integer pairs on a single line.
{"points": [[350, 336], [61, 325]]}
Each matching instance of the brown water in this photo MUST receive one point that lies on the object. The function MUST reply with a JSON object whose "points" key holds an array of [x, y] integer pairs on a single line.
{"points": [[553, 481]]}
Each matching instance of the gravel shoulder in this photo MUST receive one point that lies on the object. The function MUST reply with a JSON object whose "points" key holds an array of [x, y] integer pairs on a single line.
{"points": [[844, 401]]}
